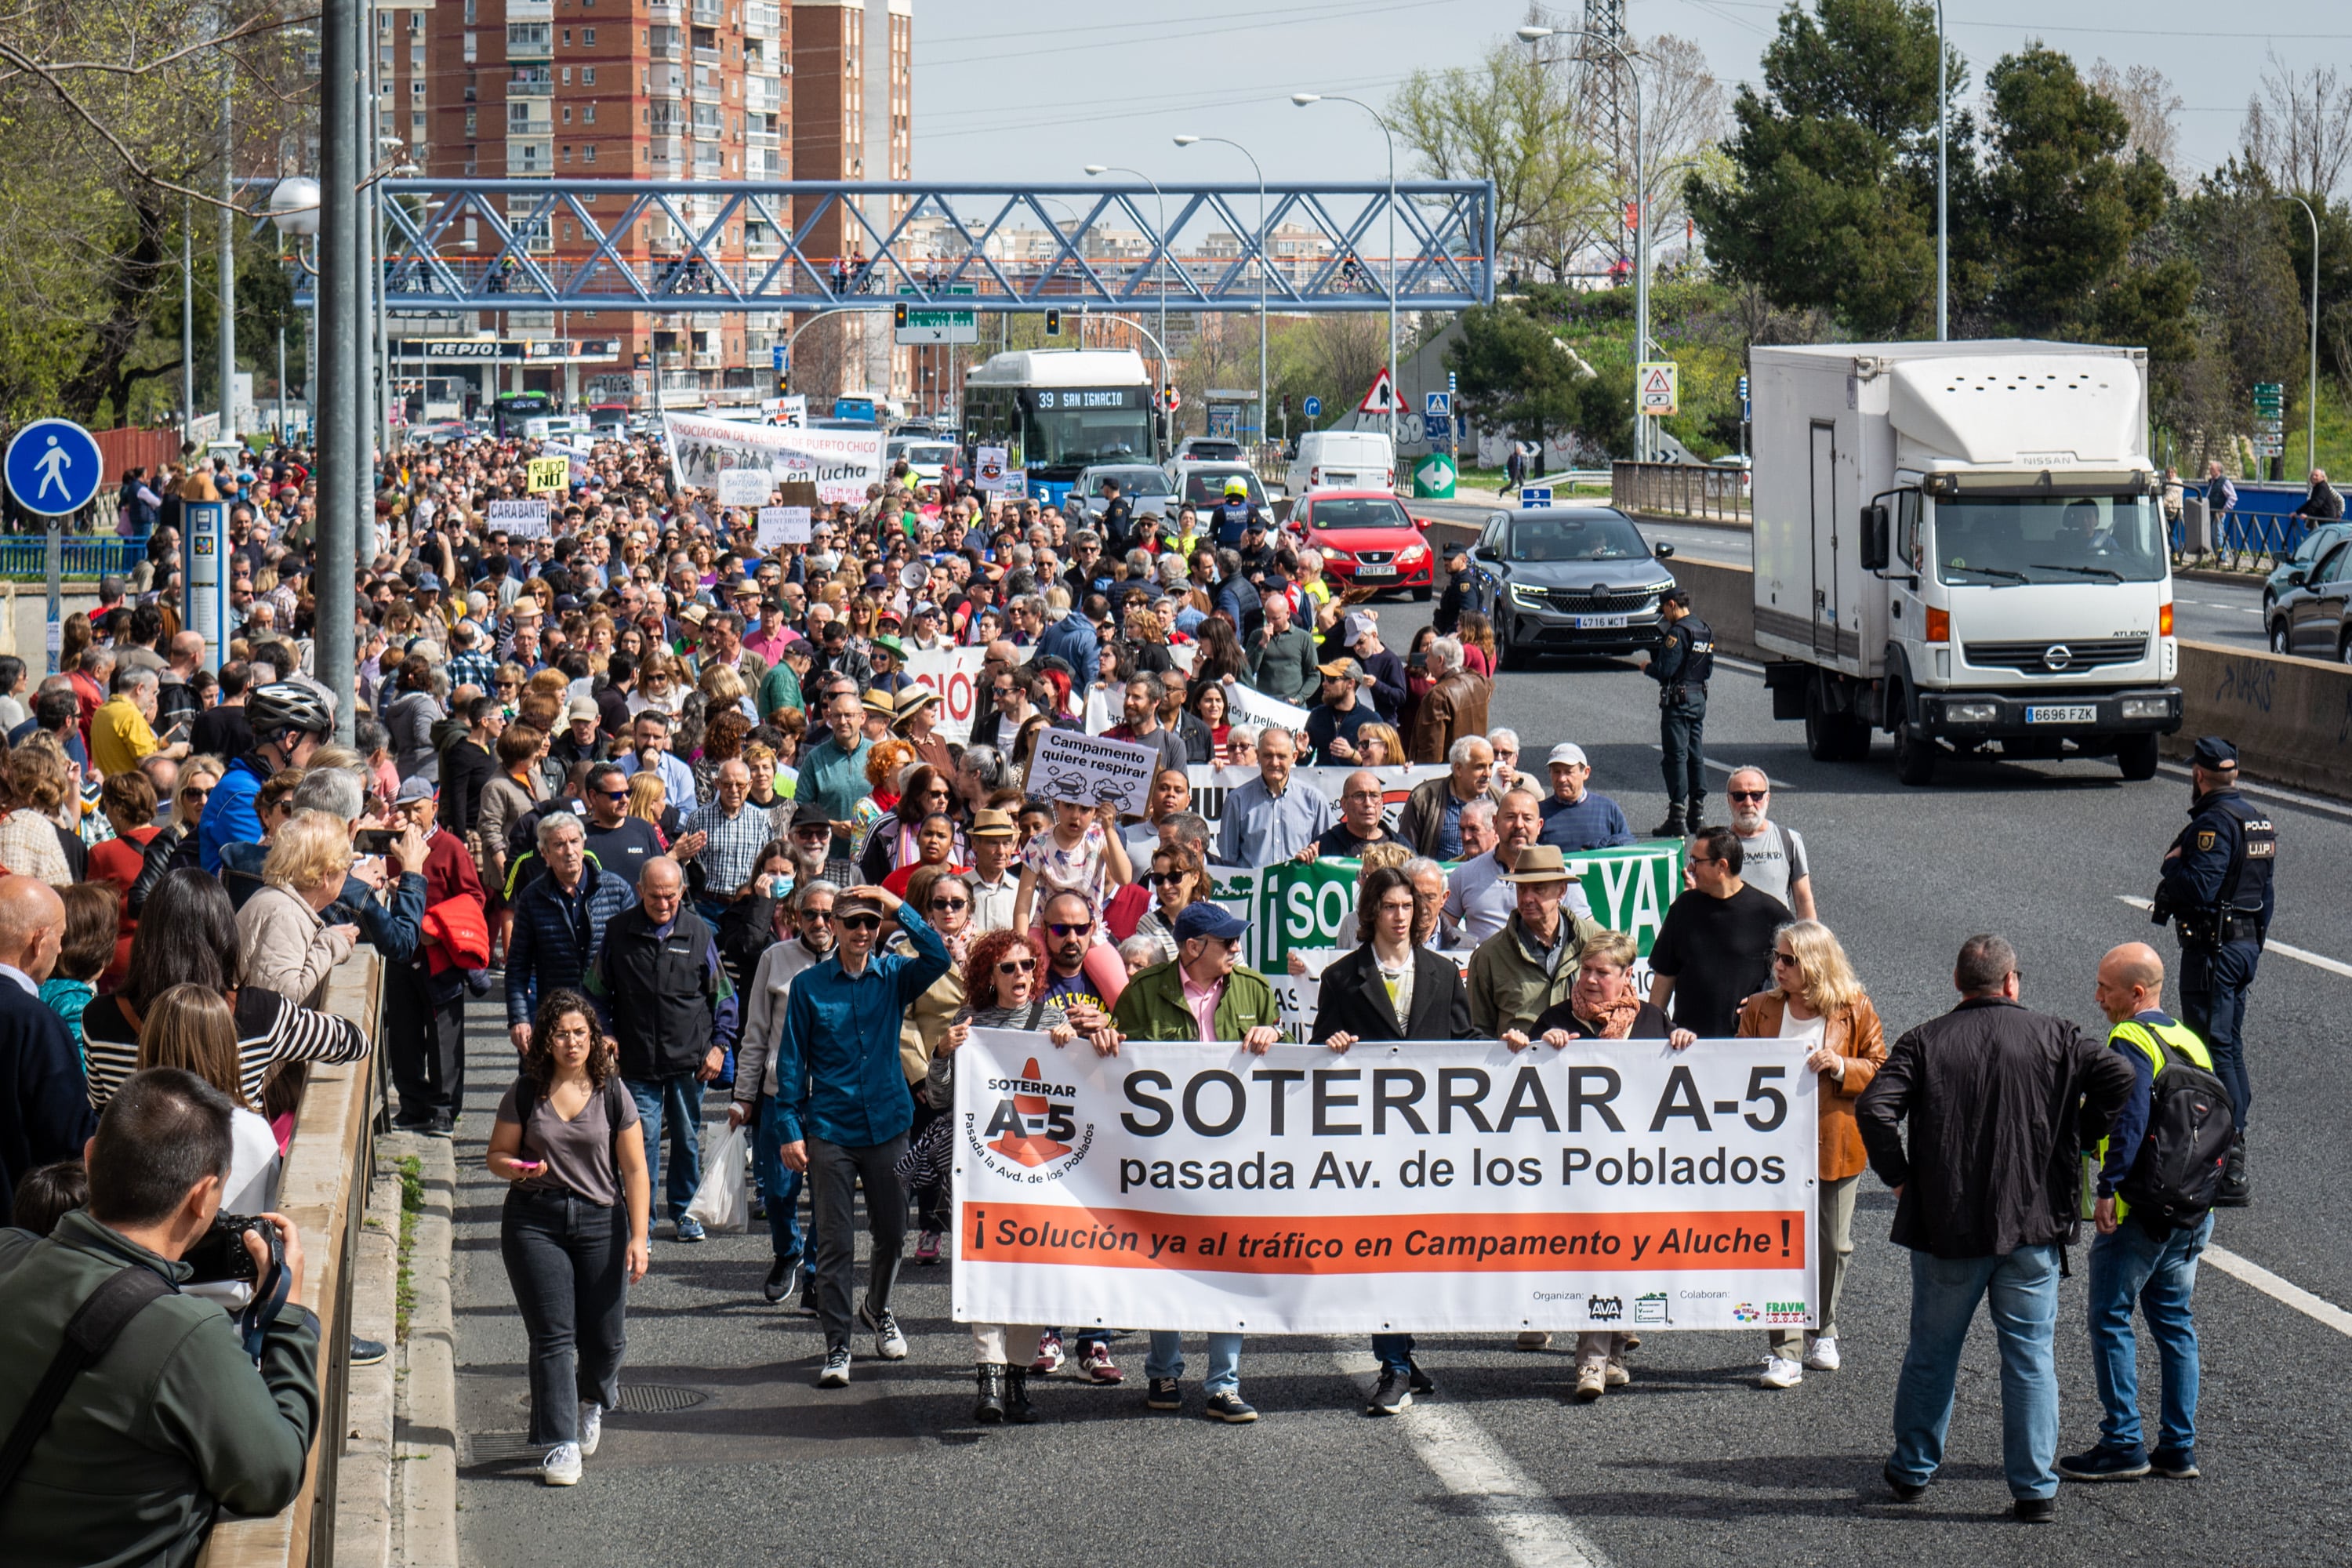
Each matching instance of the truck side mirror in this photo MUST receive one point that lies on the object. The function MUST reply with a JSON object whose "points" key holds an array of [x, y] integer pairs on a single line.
{"points": [[1873, 538]]}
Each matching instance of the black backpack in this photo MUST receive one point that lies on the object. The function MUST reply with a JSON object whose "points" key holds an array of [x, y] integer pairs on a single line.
{"points": [[2177, 1170]]}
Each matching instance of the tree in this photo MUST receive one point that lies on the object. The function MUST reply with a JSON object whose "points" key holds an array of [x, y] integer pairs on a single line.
{"points": [[2298, 128], [1508, 120], [1829, 200], [2150, 108], [1514, 376]]}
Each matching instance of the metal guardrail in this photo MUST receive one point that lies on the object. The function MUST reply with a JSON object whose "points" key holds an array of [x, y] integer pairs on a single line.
{"points": [[26, 556], [323, 1188], [1680, 490], [2261, 527]]}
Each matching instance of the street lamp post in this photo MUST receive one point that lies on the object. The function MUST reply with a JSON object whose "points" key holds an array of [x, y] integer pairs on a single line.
{"points": [[1263, 241], [2311, 397], [1159, 414], [340, 433], [1943, 228], [1303, 99], [1530, 35]]}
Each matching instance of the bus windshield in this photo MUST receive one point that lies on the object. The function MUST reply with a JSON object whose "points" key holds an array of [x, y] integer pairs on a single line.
{"points": [[1074, 438], [1997, 539]]}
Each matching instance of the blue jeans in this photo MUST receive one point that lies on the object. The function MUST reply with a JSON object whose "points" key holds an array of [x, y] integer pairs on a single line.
{"points": [[1166, 1359], [2161, 1272], [678, 1100], [2021, 1291], [779, 1188], [1394, 1353]]}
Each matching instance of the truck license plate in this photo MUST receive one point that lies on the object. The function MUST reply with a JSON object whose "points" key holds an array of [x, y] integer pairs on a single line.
{"points": [[1599, 623], [2062, 715], [1376, 571]]}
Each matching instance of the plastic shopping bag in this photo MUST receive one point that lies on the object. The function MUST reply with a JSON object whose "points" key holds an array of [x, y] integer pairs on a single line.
{"points": [[722, 1201]]}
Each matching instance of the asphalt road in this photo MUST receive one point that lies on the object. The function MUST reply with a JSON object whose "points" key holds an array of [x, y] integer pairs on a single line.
{"points": [[2207, 612], [726, 1453]]}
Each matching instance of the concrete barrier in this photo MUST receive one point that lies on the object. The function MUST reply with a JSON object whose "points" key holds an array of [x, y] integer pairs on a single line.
{"points": [[2291, 719]]}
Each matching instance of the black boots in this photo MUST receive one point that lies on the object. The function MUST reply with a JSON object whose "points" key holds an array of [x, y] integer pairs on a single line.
{"points": [[2237, 1185], [1696, 818], [1004, 1396], [1017, 1408], [990, 1410], [1671, 828]]}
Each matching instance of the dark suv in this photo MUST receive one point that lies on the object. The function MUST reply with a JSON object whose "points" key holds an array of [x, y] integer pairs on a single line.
{"points": [[2312, 615], [1574, 580]]}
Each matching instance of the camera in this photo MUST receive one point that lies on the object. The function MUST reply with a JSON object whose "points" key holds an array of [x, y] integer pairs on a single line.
{"points": [[219, 1254]]}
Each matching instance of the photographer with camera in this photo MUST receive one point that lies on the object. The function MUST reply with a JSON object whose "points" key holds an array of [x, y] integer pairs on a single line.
{"points": [[134, 1414]]}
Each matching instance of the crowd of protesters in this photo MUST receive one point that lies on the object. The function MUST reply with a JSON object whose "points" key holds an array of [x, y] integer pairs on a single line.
{"points": [[680, 803]]}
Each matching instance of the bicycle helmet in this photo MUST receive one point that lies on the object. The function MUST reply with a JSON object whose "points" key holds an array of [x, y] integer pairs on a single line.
{"points": [[283, 705], [1237, 486]]}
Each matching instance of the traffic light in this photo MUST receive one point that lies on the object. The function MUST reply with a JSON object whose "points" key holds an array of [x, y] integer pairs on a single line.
{"points": [[899, 315], [1053, 323], [784, 383]]}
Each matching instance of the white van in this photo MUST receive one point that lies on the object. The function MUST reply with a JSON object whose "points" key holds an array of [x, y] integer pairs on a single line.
{"points": [[1343, 461]]}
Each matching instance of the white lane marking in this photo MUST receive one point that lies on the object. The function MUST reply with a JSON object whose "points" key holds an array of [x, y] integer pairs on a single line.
{"points": [[2317, 1309], [1468, 1463], [2301, 954], [2247, 786]]}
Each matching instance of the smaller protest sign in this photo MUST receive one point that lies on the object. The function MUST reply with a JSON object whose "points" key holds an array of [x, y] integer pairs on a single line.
{"points": [[988, 471], [1248, 702], [549, 474], [780, 525], [1014, 486], [520, 519], [1088, 769], [952, 673], [744, 487]]}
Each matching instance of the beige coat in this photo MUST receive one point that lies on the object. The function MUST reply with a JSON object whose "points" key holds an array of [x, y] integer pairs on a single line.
{"points": [[285, 947]]}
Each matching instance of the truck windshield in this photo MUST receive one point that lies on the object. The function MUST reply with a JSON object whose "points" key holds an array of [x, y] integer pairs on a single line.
{"points": [[2049, 539]]}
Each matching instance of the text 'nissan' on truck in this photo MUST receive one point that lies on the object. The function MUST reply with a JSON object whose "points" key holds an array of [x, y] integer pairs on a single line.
{"points": [[1961, 544]]}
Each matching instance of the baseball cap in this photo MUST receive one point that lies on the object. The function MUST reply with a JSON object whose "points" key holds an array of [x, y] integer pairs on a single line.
{"points": [[1203, 918], [991, 825], [414, 789], [426, 582], [1568, 754], [1342, 669], [582, 707], [2212, 751], [1357, 625], [1677, 594], [809, 814]]}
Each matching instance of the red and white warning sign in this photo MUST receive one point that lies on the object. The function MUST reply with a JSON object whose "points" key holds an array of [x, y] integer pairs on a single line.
{"points": [[1659, 382], [1382, 398]]}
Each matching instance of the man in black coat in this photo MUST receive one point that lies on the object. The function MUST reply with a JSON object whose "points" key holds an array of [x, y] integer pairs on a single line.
{"points": [[1391, 988], [44, 1113], [2001, 1102]]}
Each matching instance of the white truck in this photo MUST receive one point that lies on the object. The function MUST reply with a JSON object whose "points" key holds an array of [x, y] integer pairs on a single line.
{"points": [[1962, 544]]}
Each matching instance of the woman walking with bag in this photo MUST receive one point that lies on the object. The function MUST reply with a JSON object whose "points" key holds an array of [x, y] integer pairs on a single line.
{"points": [[1816, 999], [573, 1232]]}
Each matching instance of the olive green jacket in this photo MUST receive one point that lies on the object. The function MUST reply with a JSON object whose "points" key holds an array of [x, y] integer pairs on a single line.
{"points": [[1152, 1006], [1509, 988]]}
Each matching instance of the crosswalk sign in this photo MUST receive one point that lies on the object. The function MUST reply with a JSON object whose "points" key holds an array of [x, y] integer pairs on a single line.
{"points": [[1382, 398], [1436, 405], [1660, 388]]}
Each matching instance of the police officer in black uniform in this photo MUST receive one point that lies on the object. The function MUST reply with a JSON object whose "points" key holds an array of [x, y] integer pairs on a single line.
{"points": [[1681, 666], [1118, 520], [2215, 888]]}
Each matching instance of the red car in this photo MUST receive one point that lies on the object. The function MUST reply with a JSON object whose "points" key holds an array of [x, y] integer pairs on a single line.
{"points": [[1368, 539]]}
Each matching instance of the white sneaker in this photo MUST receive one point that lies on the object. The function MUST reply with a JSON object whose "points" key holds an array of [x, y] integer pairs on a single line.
{"points": [[592, 1427], [1779, 1371], [562, 1465], [1822, 1354]]}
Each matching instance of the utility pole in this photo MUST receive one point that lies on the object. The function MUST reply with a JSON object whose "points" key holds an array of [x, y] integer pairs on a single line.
{"points": [[187, 319], [2310, 398], [1943, 226], [227, 336], [340, 433]]}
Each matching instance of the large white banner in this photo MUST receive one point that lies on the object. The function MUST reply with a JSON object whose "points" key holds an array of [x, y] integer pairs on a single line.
{"points": [[1441, 1186], [954, 674], [840, 463], [1210, 784]]}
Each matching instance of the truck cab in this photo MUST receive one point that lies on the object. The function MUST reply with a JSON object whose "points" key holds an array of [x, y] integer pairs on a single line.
{"points": [[1961, 544]]}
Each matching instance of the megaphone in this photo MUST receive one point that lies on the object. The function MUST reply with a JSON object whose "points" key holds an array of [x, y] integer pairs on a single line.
{"points": [[913, 576]]}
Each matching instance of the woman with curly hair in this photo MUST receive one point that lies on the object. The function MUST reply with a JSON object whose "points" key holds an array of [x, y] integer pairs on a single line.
{"points": [[895, 843], [38, 785], [885, 762], [722, 741], [573, 1230]]}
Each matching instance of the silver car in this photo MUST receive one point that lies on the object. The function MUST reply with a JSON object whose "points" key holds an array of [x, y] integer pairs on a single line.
{"points": [[1573, 580], [1145, 487]]}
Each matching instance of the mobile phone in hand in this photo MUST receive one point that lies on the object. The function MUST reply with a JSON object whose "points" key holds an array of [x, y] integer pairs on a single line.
{"points": [[528, 1167], [375, 840]]}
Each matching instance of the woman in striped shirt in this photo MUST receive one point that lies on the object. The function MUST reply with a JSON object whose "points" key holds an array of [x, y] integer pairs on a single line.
{"points": [[187, 935]]}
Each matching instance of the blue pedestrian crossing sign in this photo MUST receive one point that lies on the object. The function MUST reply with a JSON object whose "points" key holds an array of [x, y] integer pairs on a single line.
{"points": [[1436, 404], [54, 466], [1313, 407]]}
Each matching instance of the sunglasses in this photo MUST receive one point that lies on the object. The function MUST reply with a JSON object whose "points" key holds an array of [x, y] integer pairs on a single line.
{"points": [[944, 905], [1787, 958], [819, 917], [1017, 966], [859, 922], [1071, 929], [1747, 794], [1164, 878]]}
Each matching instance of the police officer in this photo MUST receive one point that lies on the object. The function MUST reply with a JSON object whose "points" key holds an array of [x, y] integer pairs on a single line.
{"points": [[1681, 666], [1118, 520], [2216, 888], [1234, 515]]}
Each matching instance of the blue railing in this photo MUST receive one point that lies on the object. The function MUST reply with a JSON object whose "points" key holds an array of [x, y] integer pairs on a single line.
{"points": [[26, 556], [2262, 525]]}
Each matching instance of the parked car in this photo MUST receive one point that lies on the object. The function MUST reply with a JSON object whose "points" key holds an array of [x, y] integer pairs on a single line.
{"points": [[1567, 579], [1209, 449], [928, 457], [2314, 543], [1343, 461], [1202, 484], [2314, 613], [1367, 540], [1145, 487]]}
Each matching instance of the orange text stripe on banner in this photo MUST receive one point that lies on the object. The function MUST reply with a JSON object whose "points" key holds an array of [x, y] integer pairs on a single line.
{"points": [[1382, 1244]]}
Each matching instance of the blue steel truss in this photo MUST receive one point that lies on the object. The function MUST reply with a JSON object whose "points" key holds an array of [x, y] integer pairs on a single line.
{"points": [[488, 245]]}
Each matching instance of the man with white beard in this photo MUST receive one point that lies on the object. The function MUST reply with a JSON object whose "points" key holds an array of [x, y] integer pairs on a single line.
{"points": [[1773, 856]]}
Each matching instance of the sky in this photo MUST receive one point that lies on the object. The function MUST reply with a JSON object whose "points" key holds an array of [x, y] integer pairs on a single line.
{"points": [[1034, 89]]}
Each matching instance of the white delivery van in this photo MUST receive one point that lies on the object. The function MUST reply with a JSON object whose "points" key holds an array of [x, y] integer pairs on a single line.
{"points": [[1961, 544], [1343, 461]]}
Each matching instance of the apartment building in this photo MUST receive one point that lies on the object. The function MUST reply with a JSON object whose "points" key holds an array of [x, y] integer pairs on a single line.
{"points": [[636, 90]]}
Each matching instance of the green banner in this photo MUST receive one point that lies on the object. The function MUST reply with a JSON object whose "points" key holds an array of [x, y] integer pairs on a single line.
{"points": [[1313, 905]]}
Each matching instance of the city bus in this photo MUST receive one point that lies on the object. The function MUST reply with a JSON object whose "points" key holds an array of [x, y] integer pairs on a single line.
{"points": [[1057, 411], [508, 412]]}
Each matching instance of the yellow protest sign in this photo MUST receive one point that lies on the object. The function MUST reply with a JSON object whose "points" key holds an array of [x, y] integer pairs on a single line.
{"points": [[549, 474]]}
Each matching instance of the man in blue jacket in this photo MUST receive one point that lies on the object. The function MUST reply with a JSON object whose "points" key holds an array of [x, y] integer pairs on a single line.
{"points": [[844, 1109], [288, 723], [1072, 640]]}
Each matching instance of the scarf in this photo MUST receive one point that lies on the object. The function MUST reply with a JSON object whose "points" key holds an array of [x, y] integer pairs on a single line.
{"points": [[1617, 1021]]}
